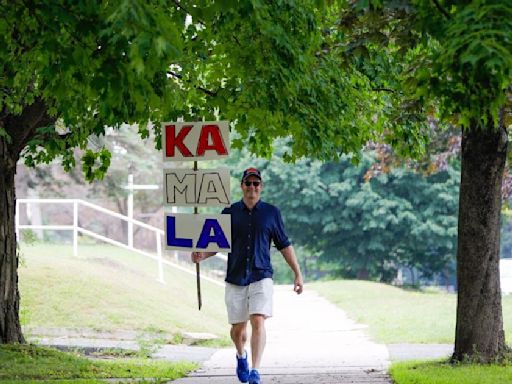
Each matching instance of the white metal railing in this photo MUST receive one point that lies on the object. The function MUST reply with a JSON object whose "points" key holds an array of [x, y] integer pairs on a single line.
{"points": [[158, 233]]}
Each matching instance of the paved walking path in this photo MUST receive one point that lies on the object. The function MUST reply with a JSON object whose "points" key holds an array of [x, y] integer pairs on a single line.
{"points": [[309, 340]]}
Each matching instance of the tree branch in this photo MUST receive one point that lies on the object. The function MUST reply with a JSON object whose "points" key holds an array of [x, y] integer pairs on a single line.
{"points": [[206, 91], [59, 136], [384, 90], [22, 128], [441, 9], [236, 40]]}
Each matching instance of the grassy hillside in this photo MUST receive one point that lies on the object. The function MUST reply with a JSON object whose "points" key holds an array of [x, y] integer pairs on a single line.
{"points": [[396, 315], [108, 288]]}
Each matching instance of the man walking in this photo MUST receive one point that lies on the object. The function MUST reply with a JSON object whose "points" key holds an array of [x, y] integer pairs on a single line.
{"points": [[249, 286]]}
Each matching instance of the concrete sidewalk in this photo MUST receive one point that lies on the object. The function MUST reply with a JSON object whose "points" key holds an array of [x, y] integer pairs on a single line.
{"points": [[309, 340]]}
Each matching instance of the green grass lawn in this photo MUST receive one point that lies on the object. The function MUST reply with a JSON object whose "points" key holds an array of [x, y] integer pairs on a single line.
{"points": [[28, 363], [436, 372], [395, 315], [108, 288]]}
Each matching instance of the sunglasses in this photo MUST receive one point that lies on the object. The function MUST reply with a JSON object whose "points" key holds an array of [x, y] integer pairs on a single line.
{"points": [[249, 183]]}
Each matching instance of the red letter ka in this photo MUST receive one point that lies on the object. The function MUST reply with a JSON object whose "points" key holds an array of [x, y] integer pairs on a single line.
{"points": [[171, 140]]}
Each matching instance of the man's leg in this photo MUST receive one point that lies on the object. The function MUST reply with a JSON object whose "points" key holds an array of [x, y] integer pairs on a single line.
{"points": [[258, 339], [239, 336]]}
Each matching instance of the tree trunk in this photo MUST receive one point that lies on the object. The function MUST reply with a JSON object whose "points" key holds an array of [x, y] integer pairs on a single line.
{"points": [[10, 329], [413, 277], [363, 274], [479, 330]]}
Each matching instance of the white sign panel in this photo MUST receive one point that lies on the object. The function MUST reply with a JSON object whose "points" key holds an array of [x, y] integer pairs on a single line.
{"points": [[201, 232], [202, 140], [208, 187]]}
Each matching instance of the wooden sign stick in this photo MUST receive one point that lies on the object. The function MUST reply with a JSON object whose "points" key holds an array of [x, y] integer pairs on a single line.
{"points": [[198, 272]]}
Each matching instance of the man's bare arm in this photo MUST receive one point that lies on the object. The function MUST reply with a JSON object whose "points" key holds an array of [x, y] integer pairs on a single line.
{"points": [[289, 255]]}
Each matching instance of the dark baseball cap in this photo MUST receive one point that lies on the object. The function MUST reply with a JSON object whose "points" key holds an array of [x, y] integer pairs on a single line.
{"points": [[251, 172]]}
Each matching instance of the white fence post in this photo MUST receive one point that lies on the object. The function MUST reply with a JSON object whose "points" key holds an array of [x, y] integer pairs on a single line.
{"points": [[160, 258], [130, 210], [17, 220], [75, 228]]}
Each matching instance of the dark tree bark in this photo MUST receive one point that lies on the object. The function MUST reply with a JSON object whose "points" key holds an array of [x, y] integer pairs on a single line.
{"points": [[479, 328], [10, 329], [20, 129]]}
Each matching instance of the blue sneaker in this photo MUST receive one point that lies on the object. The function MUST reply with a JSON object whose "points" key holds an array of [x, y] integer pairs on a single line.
{"points": [[242, 368], [254, 377]]}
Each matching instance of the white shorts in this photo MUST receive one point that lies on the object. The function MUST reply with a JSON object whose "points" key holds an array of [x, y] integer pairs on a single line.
{"points": [[243, 301]]}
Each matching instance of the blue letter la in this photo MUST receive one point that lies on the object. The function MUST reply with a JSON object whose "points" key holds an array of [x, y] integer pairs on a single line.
{"points": [[218, 235], [172, 240]]}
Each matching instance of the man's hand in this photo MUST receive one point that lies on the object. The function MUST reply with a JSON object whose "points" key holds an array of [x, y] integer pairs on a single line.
{"points": [[197, 257], [298, 284]]}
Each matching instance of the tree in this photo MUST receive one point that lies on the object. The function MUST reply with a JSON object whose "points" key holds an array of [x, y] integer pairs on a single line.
{"points": [[449, 61], [365, 227], [69, 70], [326, 78]]}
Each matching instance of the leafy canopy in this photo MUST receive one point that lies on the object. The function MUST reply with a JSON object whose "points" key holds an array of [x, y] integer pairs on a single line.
{"points": [[449, 59], [262, 65]]}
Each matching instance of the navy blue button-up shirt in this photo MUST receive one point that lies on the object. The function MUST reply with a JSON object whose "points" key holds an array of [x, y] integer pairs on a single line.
{"points": [[252, 232]]}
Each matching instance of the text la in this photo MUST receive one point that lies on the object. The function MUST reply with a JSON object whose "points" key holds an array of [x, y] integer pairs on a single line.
{"points": [[198, 232]]}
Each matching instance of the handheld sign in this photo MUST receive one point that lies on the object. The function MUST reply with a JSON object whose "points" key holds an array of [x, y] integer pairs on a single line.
{"points": [[206, 140], [200, 232], [202, 140], [209, 187]]}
